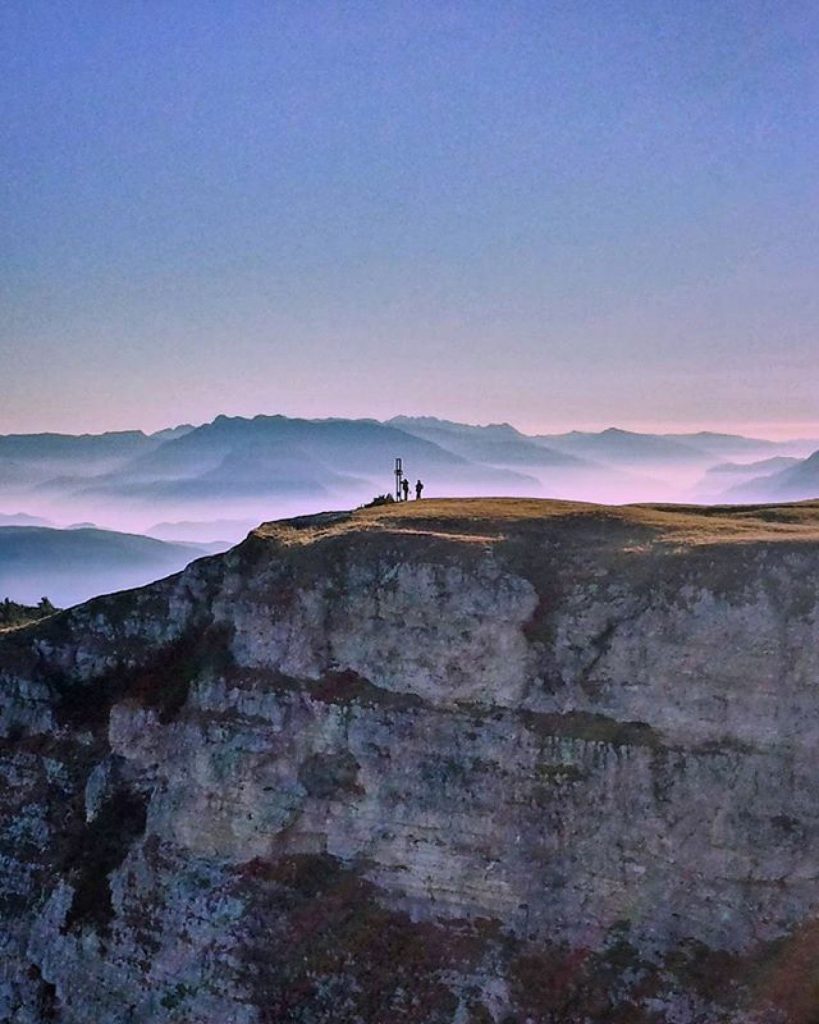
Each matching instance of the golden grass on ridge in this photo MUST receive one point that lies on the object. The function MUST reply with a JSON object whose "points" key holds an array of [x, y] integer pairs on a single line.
{"points": [[487, 519]]}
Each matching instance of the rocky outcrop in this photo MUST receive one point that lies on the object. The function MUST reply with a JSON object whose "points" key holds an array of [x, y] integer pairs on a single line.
{"points": [[460, 761]]}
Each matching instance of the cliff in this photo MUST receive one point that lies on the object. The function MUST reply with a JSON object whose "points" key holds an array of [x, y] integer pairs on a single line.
{"points": [[464, 761]]}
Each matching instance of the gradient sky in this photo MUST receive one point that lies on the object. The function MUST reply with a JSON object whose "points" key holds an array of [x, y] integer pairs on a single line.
{"points": [[557, 214]]}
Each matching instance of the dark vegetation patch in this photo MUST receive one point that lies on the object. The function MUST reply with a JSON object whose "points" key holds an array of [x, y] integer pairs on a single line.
{"points": [[782, 975], [319, 947], [592, 728], [557, 984], [94, 852], [13, 614], [560, 774], [785, 974], [317, 520], [616, 985], [329, 775], [439, 772], [162, 682], [46, 1001], [173, 999], [50, 771], [348, 687], [727, 745], [343, 688], [712, 974], [379, 499], [789, 826]]}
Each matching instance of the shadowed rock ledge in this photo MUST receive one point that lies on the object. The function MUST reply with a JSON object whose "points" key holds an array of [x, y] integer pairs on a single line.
{"points": [[459, 761]]}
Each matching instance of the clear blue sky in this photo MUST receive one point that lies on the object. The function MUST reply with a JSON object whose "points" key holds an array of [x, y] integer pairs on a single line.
{"points": [[557, 214]]}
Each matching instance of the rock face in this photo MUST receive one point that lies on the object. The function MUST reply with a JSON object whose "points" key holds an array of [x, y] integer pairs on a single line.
{"points": [[455, 762]]}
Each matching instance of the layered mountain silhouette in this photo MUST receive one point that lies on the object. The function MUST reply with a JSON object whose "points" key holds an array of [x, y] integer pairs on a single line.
{"points": [[623, 447], [83, 448], [724, 445], [242, 469], [202, 531], [793, 483], [762, 467], [22, 519], [69, 566], [626, 447], [69, 453], [277, 456], [495, 444]]}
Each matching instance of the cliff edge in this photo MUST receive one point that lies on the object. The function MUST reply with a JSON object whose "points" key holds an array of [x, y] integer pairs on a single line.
{"points": [[454, 761]]}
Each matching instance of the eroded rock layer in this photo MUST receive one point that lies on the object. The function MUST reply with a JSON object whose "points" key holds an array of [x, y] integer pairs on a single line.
{"points": [[462, 761]]}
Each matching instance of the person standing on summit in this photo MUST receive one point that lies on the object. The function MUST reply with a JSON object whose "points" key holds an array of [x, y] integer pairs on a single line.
{"points": [[405, 488], [419, 487]]}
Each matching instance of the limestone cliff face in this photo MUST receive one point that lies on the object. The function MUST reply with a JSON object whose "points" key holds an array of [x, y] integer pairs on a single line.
{"points": [[464, 761]]}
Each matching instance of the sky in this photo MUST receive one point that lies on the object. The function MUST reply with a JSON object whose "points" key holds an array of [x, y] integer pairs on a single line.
{"points": [[558, 214]]}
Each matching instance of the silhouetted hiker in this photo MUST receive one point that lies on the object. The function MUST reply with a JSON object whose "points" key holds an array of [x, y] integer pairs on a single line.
{"points": [[418, 489], [405, 488]]}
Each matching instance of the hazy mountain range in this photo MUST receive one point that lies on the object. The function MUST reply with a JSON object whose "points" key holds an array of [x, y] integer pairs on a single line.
{"points": [[763, 467], [69, 566], [210, 484], [795, 481]]}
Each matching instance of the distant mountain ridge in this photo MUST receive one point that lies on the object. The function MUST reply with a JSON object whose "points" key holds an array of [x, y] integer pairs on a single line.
{"points": [[762, 466], [791, 484], [198, 488], [281, 456], [495, 444], [238, 467], [22, 519], [722, 444], [73, 565], [624, 446], [51, 445]]}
